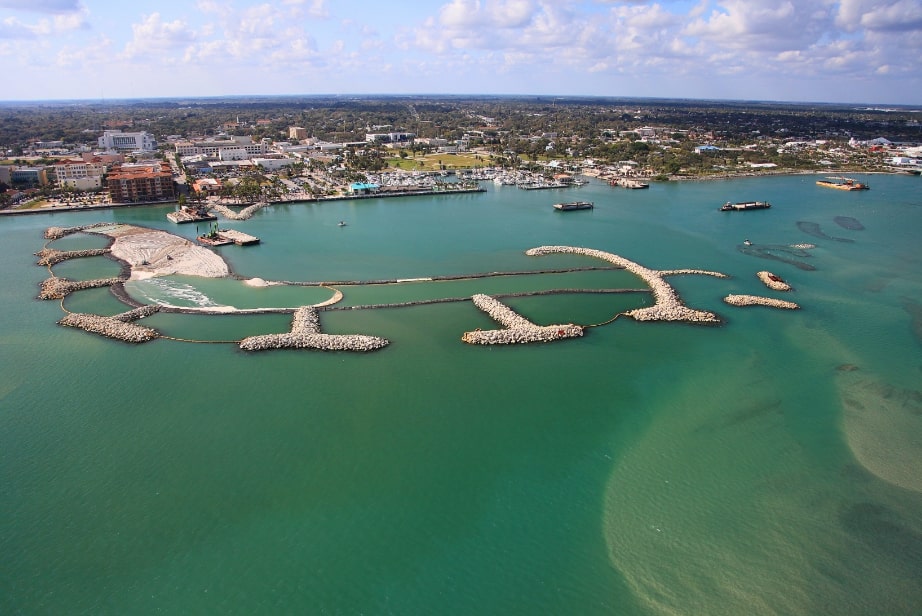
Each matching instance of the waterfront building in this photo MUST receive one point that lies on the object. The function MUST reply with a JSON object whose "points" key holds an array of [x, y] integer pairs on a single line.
{"points": [[151, 181], [117, 141], [77, 174]]}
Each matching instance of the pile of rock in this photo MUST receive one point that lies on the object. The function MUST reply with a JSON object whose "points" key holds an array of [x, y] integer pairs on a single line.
{"points": [[519, 330], [754, 300], [118, 327], [244, 214], [773, 282], [668, 306], [50, 256], [59, 288], [305, 334], [56, 233]]}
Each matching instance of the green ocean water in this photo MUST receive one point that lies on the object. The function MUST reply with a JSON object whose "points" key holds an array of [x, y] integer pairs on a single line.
{"points": [[770, 465]]}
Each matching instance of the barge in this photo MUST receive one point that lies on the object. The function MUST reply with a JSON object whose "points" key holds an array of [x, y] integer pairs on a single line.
{"points": [[843, 184], [574, 205]]}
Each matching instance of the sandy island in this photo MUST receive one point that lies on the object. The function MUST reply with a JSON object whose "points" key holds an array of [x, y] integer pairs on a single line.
{"points": [[153, 253]]}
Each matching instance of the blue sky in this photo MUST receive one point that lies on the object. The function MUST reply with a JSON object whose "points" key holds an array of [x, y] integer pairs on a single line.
{"points": [[860, 51]]}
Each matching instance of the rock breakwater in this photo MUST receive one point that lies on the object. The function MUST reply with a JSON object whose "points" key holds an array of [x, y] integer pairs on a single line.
{"points": [[773, 282], [59, 288], [50, 256], [519, 330], [244, 214], [755, 300], [118, 327], [667, 307], [305, 334]]}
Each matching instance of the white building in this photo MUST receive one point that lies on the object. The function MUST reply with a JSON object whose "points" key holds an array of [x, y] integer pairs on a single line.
{"points": [[117, 141], [213, 148], [78, 174]]}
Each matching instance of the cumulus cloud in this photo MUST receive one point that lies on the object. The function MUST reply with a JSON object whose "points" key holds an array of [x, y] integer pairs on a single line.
{"points": [[898, 16], [155, 36]]}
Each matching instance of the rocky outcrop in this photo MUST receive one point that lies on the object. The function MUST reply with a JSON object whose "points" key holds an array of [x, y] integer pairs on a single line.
{"points": [[668, 306], [519, 330], [754, 300], [59, 288], [305, 334], [773, 282]]}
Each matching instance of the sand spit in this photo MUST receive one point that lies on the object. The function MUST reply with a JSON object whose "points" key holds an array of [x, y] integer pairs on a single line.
{"points": [[519, 330], [668, 306], [773, 282], [755, 300], [152, 253], [118, 327], [305, 334]]}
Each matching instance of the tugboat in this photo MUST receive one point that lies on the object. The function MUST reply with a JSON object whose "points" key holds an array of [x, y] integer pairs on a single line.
{"points": [[745, 205], [573, 205]]}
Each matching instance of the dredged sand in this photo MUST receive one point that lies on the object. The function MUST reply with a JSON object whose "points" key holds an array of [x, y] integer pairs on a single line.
{"points": [[153, 253]]}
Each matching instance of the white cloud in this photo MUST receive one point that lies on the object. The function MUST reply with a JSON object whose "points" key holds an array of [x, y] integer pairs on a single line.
{"points": [[155, 37]]}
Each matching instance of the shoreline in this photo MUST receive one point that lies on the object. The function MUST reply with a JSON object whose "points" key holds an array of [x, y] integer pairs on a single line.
{"points": [[413, 193]]}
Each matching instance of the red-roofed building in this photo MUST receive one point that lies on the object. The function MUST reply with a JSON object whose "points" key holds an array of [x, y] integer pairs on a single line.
{"points": [[141, 182]]}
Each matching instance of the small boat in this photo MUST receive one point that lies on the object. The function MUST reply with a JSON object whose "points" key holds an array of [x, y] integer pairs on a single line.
{"points": [[574, 205], [341, 223], [745, 205], [747, 242]]}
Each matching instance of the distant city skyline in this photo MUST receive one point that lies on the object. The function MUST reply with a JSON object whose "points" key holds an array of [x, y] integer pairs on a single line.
{"points": [[847, 51]]}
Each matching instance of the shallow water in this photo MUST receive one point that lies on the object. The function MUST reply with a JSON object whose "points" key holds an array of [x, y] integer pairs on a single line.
{"points": [[765, 466]]}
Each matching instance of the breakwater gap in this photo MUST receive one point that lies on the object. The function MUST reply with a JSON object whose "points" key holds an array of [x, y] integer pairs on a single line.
{"points": [[306, 332]]}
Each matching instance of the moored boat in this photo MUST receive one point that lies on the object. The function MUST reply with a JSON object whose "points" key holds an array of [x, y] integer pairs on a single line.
{"points": [[574, 205], [745, 205]]}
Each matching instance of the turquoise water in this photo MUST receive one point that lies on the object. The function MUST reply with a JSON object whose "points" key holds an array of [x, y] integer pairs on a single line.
{"points": [[771, 465]]}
